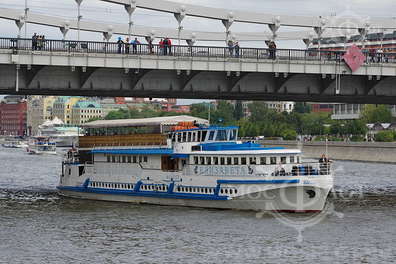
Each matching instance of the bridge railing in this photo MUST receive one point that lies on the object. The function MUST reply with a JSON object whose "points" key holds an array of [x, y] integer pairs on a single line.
{"points": [[72, 46]]}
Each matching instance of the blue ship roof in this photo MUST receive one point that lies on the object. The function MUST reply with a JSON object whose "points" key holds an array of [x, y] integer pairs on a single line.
{"points": [[219, 146], [164, 151], [208, 128]]}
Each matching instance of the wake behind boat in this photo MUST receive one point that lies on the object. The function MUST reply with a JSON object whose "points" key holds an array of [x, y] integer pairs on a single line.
{"points": [[185, 162]]}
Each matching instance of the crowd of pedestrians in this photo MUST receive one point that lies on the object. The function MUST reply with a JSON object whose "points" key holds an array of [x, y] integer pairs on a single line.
{"points": [[123, 46], [38, 42]]}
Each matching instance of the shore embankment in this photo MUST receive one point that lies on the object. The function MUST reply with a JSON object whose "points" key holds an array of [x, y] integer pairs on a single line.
{"points": [[354, 151]]}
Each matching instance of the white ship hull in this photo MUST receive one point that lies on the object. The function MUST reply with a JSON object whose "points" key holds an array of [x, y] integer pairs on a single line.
{"points": [[272, 197]]}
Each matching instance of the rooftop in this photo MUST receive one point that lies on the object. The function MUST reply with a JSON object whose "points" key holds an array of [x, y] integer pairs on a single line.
{"points": [[153, 121]]}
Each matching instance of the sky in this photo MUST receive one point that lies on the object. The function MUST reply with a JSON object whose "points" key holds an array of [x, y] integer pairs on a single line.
{"points": [[95, 10]]}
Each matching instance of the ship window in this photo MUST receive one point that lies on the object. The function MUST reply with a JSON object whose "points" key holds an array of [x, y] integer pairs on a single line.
{"points": [[179, 138], [123, 159], [236, 161], [118, 159], [189, 137], [196, 160], [233, 134], [194, 137], [263, 160], [209, 160], [204, 135], [202, 160], [243, 161], [236, 191], [291, 159], [229, 160], [298, 159], [108, 159], [145, 159], [184, 137], [273, 160], [283, 160], [129, 159], [216, 160], [140, 159], [211, 135], [221, 135], [113, 159], [222, 161], [226, 191], [134, 159], [252, 160], [199, 136], [221, 191], [231, 191]]}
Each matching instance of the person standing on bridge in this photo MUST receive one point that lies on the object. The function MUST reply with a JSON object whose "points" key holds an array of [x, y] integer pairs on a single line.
{"points": [[127, 45], [237, 48], [120, 43], [34, 41], [162, 47], [169, 46], [135, 44], [231, 47]]}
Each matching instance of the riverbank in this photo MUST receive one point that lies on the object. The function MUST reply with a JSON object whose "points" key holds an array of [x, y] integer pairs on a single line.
{"points": [[353, 151]]}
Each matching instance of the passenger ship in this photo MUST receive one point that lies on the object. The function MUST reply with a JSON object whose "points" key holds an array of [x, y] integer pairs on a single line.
{"points": [[182, 161]]}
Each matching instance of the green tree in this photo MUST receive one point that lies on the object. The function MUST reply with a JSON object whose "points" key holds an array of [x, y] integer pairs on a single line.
{"points": [[238, 110], [289, 134], [376, 114], [302, 108], [384, 136]]}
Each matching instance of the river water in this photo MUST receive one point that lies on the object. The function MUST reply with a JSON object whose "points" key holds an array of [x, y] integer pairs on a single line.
{"points": [[38, 226]]}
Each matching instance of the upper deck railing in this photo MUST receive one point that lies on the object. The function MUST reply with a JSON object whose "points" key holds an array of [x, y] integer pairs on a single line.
{"points": [[85, 47]]}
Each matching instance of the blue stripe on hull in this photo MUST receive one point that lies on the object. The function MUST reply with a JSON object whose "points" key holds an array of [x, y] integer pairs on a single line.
{"points": [[145, 193], [257, 181]]}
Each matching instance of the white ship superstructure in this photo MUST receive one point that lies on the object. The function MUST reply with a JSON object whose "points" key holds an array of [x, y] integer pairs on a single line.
{"points": [[184, 162]]}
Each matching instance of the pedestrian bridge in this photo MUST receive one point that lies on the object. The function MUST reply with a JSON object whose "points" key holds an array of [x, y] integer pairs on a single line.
{"points": [[60, 67]]}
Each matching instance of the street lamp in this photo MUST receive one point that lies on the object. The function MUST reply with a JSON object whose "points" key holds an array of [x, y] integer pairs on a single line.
{"points": [[130, 8], [227, 24], [320, 30], [78, 17], [20, 22], [274, 27], [180, 15], [65, 28], [26, 16]]}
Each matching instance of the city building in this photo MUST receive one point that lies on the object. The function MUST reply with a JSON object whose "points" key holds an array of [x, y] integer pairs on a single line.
{"points": [[281, 106], [384, 41], [13, 116], [39, 110], [63, 106], [84, 111], [352, 111], [322, 108], [176, 108]]}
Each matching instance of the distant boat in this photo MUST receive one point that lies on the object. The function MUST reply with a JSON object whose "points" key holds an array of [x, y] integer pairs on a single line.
{"points": [[42, 145], [62, 135], [14, 142]]}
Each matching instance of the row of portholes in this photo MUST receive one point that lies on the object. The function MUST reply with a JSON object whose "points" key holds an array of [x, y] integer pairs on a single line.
{"points": [[154, 187], [205, 190], [112, 185]]}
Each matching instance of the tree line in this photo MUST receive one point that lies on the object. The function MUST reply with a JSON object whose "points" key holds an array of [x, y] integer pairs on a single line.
{"points": [[263, 121]]}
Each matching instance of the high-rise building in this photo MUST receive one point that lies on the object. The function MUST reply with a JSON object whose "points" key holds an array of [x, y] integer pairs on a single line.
{"points": [[13, 116]]}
